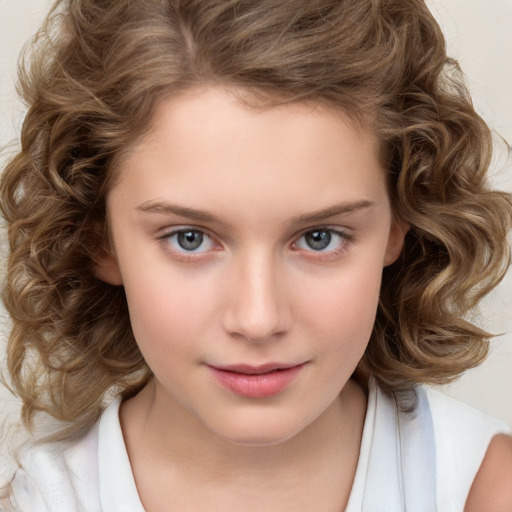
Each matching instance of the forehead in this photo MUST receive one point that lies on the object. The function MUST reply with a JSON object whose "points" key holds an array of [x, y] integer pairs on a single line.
{"points": [[234, 105], [208, 145]]}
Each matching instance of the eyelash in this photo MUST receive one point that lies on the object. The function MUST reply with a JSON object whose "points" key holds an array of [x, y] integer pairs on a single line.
{"points": [[183, 254], [321, 254], [326, 255]]}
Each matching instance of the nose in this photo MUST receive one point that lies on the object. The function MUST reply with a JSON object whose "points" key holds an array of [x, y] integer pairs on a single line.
{"points": [[257, 308]]}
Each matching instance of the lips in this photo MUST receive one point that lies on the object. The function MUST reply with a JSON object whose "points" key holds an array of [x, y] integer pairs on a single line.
{"points": [[261, 381]]}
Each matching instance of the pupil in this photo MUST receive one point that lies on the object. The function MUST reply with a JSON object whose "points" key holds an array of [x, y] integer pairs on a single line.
{"points": [[190, 240], [318, 240]]}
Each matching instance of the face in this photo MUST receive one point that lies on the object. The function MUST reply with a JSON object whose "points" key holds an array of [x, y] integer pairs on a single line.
{"points": [[250, 243]]}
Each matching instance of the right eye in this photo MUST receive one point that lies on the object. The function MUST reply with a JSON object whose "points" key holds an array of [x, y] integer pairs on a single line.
{"points": [[189, 241]]}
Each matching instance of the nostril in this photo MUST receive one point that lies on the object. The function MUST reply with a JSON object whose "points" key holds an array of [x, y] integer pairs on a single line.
{"points": [[257, 308], [256, 325]]}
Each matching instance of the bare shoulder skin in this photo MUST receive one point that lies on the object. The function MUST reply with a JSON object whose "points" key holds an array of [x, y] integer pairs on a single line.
{"points": [[492, 488]]}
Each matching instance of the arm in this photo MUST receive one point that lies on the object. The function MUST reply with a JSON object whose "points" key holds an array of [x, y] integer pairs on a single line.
{"points": [[492, 488]]}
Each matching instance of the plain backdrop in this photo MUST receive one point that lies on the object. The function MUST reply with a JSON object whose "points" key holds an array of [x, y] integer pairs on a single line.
{"points": [[479, 35]]}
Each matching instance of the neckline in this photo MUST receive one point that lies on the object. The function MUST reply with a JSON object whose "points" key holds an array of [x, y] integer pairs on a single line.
{"points": [[118, 490], [356, 497]]}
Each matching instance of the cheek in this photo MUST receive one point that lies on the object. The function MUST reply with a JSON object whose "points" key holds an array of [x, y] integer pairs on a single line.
{"points": [[167, 309], [343, 310]]}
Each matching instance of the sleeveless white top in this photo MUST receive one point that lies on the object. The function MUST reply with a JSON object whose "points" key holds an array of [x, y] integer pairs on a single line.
{"points": [[420, 461]]}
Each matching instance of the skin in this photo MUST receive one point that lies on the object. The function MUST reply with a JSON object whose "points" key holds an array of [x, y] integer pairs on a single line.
{"points": [[255, 181], [492, 488], [254, 184]]}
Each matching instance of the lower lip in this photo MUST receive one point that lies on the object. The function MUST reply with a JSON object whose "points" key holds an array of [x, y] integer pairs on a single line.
{"points": [[259, 385]]}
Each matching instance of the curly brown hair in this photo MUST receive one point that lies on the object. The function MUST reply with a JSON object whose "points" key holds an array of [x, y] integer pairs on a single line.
{"points": [[95, 71]]}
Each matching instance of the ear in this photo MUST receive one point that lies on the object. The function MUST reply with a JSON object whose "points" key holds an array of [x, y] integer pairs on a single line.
{"points": [[396, 239], [106, 267]]}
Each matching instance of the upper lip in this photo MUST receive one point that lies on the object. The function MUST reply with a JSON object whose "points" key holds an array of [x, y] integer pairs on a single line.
{"points": [[249, 369]]}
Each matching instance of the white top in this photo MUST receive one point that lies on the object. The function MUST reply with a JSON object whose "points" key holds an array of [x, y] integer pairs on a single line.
{"points": [[422, 461]]}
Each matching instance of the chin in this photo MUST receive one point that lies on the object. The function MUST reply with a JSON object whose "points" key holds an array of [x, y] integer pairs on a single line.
{"points": [[258, 432], [258, 440]]}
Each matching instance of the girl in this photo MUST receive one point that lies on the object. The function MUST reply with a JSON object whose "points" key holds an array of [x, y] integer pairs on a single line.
{"points": [[260, 225]]}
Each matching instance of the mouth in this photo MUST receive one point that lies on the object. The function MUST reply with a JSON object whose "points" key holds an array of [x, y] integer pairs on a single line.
{"points": [[260, 381], [256, 369]]}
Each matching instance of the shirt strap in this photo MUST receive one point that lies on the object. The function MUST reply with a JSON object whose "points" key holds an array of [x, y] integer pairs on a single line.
{"points": [[418, 453], [401, 473]]}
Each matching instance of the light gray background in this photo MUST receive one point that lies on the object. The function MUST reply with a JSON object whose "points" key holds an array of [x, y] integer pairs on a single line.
{"points": [[479, 35]]}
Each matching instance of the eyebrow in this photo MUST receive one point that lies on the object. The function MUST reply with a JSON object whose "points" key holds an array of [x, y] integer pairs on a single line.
{"points": [[204, 216], [174, 209], [333, 211]]}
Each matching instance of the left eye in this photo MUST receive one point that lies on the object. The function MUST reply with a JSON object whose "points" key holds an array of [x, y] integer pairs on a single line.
{"points": [[190, 240], [321, 239]]}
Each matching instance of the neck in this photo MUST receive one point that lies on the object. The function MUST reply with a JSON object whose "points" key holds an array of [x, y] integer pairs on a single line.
{"points": [[162, 436]]}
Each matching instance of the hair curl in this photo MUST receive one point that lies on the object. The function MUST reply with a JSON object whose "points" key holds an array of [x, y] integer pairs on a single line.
{"points": [[95, 71]]}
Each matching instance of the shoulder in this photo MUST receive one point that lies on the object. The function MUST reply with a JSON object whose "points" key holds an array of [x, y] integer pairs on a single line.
{"points": [[461, 428], [461, 424], [63, 474], [464, 438], [492, 488]]}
